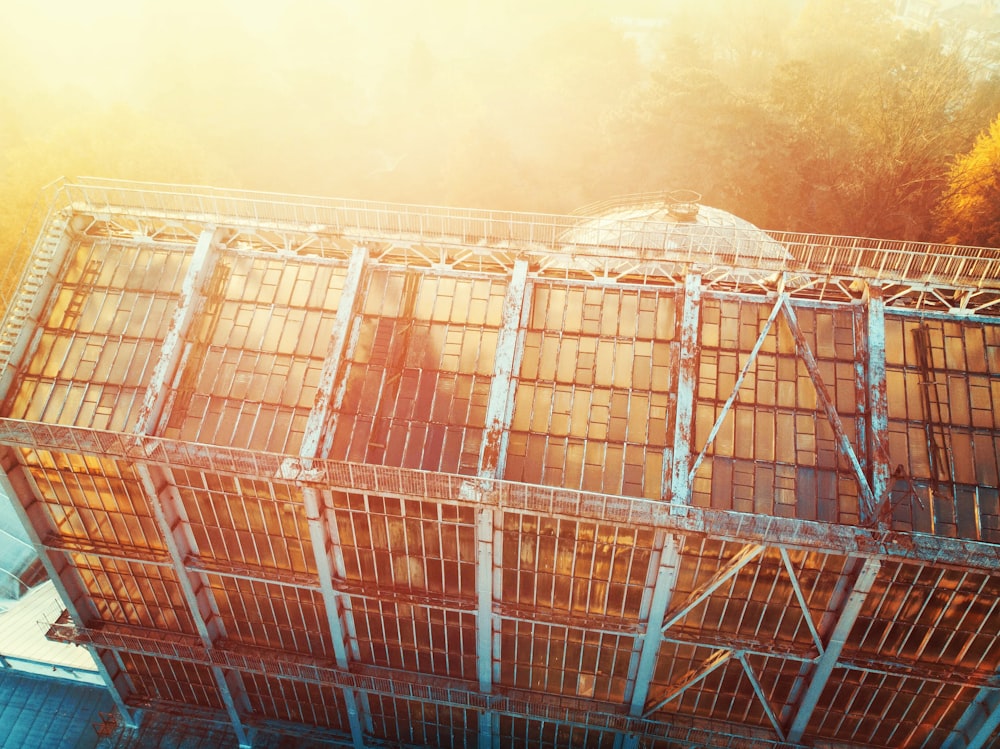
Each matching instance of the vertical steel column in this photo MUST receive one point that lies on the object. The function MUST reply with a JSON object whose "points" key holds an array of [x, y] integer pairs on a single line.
{"points": [[510, 348], [687, 377], [158, 484], [318, 505], [318, 437], [15, 483], [878, 400], [824, 666], [665, 561], [192, 297], [168, 511], [663, 568], [492, 457], [977, 724]]}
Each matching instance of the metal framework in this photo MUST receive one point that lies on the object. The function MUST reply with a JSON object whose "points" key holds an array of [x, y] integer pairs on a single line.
{"points": [[386, 475]]}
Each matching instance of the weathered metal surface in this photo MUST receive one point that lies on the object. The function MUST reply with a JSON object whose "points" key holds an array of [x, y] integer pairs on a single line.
{"points": [[687, 376], [880, 466], [401, 482], [846, 618], [868, 501], [489, 556], [506, 360], [162, 496]]}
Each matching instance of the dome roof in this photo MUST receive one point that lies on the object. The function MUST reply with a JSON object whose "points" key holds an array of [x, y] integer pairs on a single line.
{"points": [[677, 225]]}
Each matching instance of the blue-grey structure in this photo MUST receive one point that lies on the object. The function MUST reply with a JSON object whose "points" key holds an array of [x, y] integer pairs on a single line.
{"points": [[393, 475]]}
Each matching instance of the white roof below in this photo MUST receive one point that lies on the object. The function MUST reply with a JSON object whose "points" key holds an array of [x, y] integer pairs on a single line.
{"points": [[23, 645]]}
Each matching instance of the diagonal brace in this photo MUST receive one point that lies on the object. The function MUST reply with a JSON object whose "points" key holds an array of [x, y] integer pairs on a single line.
{"points": [[827, 662], [782, 298], [714, 662], [729, 570], [759, 691], [867, 496], [801, 599]]}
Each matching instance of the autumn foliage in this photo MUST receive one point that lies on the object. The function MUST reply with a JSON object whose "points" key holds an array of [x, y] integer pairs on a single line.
{"points": [[970, 208], [822, 115]]}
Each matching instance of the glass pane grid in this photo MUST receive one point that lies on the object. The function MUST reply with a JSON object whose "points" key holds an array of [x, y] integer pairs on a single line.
{"points": [[564, 660], [422, 723], [394, 544], [415, 638], [524, 733], [775, 452], [93, 499], [573, 566], [254, 612], [936, 616], [249, 521], [102, 338], [257, 351], [875, 709], [590, 409], [172, 681], [418, 379], [296, 701], [943, 382], [134, 593]]}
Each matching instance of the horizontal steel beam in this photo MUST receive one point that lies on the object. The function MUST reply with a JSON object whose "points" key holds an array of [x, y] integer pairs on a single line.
{"points": [[539, 234], [362, 478], [403, 684]]}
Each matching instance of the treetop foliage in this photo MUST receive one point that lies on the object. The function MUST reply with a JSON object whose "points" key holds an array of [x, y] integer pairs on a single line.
{"points": [[809, 115]]}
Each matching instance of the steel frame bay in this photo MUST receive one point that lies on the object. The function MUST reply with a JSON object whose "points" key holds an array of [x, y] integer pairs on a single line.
{"points": [[822, 652]]}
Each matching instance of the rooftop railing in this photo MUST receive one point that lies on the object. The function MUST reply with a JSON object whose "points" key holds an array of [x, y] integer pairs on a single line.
{"points": [[533, 233]]}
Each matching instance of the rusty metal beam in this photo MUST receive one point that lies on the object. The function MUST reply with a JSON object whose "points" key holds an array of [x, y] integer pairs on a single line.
{"points": [[725, 573], [492, 459], [835, 644], [323, 531], [751, 358], [868, 501], [507, 360], [687, 377], [723, 525], [714, 662], [878, 401]]}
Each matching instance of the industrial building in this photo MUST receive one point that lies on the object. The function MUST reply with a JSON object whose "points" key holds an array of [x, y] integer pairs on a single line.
{"points": [[358, 474]]}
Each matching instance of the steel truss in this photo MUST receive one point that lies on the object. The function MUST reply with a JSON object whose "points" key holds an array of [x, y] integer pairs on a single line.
{"points": [[692, 594]]}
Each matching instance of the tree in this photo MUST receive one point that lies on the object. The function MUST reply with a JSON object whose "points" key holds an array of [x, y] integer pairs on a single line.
{"points": [[969, 211]]}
